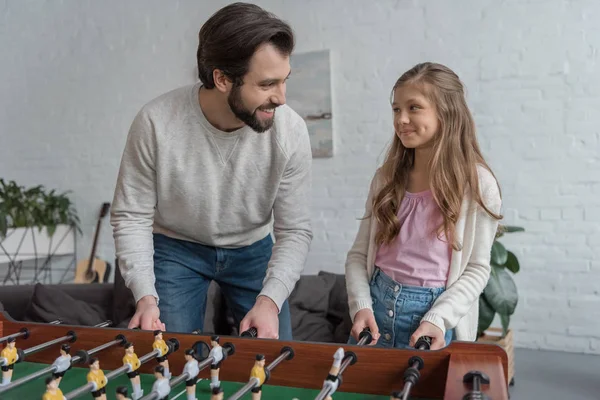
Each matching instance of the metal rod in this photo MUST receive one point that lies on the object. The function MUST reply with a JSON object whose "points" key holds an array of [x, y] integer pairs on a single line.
{"points": [[23, 332], [56, 322], [105, 346], [43, 346], [103, 324], [79, 391], [253, 381], [247, 387], [152, 354], [74, 360], [27, 378], [173, 382], [117, 372]]}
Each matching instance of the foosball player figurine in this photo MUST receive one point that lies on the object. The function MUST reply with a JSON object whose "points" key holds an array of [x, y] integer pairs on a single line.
{"points": [[333, 380], [8, 358], [132, 360], [62, 362], [217, 353], [395, 396], [121, 393], [191, 367], [52, 390], [161, 384], [217, 393], [97, 377], [160, 344], [258, 372]]}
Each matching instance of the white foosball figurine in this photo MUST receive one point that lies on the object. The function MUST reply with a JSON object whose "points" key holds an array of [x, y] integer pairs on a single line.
{"points": [[62, 363], [192, 369], [161, 384], [333, 380], [217, 353]]}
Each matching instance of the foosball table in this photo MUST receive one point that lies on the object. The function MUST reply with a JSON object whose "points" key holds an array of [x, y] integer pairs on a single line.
{"points": [[56, 362]]}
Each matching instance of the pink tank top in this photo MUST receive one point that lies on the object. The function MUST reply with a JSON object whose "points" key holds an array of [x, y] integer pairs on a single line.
{"points": [[418, 256]]}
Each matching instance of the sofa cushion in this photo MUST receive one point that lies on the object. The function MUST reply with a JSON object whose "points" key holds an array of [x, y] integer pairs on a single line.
{"points": [[338, 311], [309, 304], [48, 304]]}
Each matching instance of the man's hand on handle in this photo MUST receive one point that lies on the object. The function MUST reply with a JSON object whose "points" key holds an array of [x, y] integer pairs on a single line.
{"points": [[264, 316], [147, 315]]}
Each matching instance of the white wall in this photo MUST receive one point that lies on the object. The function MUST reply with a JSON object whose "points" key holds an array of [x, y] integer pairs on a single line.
{"points": [[74, 73]]}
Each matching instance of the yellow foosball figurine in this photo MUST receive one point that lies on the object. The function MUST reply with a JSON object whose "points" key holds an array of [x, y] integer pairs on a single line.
{"points": [[133, 361], [121, 393], [258, 372], [52, 390], [8, 358], [97, 377], [160, 344]]}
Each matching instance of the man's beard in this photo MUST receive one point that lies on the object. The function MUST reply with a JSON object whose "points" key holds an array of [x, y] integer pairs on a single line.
{"points": [[251, 119]]}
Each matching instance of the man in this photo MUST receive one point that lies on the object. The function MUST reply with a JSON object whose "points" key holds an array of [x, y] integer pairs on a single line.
{"points": [[206, 170]]}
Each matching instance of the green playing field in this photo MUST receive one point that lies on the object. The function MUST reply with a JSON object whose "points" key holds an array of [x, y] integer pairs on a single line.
{"points": [[76, 377]]}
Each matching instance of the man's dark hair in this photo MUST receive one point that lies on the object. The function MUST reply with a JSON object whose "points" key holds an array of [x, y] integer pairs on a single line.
{"points": [[230, 37]]}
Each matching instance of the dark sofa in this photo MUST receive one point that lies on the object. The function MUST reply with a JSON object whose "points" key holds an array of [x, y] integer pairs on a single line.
{"points": [[318, 306]]}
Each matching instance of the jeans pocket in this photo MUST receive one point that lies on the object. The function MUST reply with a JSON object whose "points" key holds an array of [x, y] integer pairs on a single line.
{"points": [[416, 321]]}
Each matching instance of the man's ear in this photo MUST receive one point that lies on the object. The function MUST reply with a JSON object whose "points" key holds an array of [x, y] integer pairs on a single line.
{"points": [[222, 83]]}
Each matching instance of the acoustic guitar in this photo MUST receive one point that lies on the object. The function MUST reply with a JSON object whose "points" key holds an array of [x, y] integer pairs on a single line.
{"points": [[94, 270]]}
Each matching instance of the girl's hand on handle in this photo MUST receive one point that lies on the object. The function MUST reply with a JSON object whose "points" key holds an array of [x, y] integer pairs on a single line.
{"points": [[365, 319], [428, 329]]}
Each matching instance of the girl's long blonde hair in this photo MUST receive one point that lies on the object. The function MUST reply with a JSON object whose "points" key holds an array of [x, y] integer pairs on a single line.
{"points": [[455, 156]]}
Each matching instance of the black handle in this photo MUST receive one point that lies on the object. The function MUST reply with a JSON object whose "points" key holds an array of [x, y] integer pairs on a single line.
{"points": [[252, 332], [365, 337], [423, 343]]}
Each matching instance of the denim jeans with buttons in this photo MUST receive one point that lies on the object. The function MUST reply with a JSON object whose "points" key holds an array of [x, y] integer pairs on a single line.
{"points": [[398, 309], [183, 271]]}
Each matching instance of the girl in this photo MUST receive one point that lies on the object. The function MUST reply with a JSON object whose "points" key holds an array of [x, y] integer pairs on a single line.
{"points": [[421, 257]]}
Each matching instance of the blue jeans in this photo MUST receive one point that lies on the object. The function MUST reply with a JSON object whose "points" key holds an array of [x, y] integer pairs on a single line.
{"points": [[398, 310], [183, 271]]}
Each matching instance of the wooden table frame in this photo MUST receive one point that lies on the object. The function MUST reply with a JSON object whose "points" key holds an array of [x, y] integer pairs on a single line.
{"points": [[376, 371]]}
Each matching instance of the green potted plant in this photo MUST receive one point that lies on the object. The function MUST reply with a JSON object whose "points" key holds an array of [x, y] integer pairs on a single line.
{"points": [[23, 209], [500, 297]]}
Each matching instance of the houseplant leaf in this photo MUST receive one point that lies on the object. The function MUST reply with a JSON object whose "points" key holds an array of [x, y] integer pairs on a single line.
{"points": [[512, 263], [501, 291], [505, 320], [510, 229], [486, 315], [499, 254]]}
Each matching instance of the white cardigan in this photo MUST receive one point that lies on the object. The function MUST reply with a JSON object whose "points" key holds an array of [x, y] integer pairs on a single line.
{"points": [[458, 306]]}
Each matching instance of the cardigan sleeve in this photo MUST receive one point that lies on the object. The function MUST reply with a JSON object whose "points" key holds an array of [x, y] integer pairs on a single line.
{"points": [[456, 301], [357, 279]]}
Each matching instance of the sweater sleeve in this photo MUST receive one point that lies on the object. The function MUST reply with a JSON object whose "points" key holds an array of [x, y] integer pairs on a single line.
{"points": [[456, 301], [357, 279], [292, 225], [132, 211]]}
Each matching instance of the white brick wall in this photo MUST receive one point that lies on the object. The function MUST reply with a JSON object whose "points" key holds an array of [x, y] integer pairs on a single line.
{"points": [[75, 72]]}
